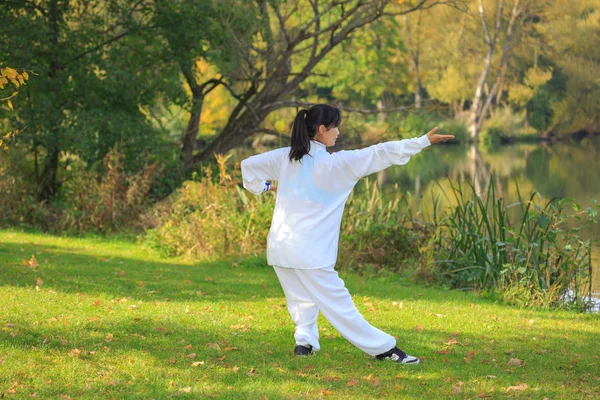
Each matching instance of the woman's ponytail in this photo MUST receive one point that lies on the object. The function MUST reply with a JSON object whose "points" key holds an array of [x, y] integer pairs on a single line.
{"points": [[300, 138], [307, 123]]}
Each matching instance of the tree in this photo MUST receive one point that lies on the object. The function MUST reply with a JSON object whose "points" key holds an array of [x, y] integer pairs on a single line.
{"points": [[479, 107], [93, 79], [293, 37]]}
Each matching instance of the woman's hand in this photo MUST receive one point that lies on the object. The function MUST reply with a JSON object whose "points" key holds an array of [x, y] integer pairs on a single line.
{"points": [[433, 138]]}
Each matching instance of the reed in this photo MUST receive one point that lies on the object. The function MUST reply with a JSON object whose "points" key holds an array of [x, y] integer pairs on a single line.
{"points": [[529, 254]]}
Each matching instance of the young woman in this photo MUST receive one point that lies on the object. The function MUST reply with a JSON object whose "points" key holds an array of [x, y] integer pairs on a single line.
{"points": [[302, 243]]}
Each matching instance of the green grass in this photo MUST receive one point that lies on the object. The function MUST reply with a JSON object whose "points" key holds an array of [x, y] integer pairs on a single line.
{"points": [[113, 321]]}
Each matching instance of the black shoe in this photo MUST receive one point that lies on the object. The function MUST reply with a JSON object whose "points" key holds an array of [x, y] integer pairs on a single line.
{"points": [[398, 356], [303, 350]]}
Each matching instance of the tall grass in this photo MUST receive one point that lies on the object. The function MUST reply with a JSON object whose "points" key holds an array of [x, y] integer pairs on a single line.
{"points": [[378, 233], [528, 253]]}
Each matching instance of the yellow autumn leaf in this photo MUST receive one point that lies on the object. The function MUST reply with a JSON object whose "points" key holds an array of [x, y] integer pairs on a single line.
{"points": [[25, 75], [10, 104], [32, 262], [9, 73]]}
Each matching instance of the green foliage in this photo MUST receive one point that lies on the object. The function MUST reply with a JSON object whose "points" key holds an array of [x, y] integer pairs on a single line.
{"points": [[503, 124], [413, 124], [377, 235]]}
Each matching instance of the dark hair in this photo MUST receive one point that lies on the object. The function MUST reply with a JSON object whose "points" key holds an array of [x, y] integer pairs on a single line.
{"points": [[306, 125]]}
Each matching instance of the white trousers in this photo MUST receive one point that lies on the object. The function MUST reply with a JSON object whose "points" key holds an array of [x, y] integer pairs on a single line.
{"points": [[308, 291]]}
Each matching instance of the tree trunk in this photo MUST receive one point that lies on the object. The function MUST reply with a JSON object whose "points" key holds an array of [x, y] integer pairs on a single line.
{"points": [[191, 133], [317, 36], [48, 183], [236, 131], [417, 94], [474, 115]]}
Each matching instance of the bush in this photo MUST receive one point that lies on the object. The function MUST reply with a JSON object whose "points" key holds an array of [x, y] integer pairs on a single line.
{"points": [[209, 218], [85, 201]]}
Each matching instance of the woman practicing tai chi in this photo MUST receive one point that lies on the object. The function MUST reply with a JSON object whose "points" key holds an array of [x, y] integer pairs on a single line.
{"points": [[302, 243]]}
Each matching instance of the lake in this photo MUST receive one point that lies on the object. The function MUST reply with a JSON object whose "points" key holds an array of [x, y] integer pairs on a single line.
{"points": [[569, 170]]}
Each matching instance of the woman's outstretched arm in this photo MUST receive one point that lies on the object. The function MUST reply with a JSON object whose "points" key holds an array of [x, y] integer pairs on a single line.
{"points": [[352, 165]]}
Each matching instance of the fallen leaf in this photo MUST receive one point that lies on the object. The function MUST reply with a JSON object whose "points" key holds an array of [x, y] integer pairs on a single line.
{"points": [[326, 392], [330, 378], [123, 273], [187, 389], [31, 263], [188, 347], [191, 355], [195, 364], [419, 328], [469, 357], [75, 352], [452, 342], [235, 369], [251, 372], [516, 361], [522, 386], [352, 382], [444, 351]]}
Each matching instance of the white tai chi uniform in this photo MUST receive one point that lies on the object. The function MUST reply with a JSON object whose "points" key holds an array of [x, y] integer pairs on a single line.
{"points": [[302, 243]]}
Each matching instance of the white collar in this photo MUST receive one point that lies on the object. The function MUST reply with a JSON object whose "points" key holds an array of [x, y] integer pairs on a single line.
{"points": [[315, 145]]}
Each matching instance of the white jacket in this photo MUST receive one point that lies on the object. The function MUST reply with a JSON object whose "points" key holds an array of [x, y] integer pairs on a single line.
{"points": [[311, 195]]}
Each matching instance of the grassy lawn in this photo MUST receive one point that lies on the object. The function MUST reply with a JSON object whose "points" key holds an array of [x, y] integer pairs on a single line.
{"points": [[108, 319]]}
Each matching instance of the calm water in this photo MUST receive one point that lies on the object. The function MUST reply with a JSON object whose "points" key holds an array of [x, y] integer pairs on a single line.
{"points": [[553, 170]]}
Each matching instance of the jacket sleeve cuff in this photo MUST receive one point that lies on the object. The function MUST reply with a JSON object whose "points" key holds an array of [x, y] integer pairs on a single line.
{"points": [[424, 141]]}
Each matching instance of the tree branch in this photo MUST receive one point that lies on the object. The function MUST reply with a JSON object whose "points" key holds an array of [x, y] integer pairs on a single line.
{"points": [[297, 103]]}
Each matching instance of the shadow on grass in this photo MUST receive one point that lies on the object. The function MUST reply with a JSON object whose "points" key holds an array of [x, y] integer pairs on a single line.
{"points": [[71, 270]]}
